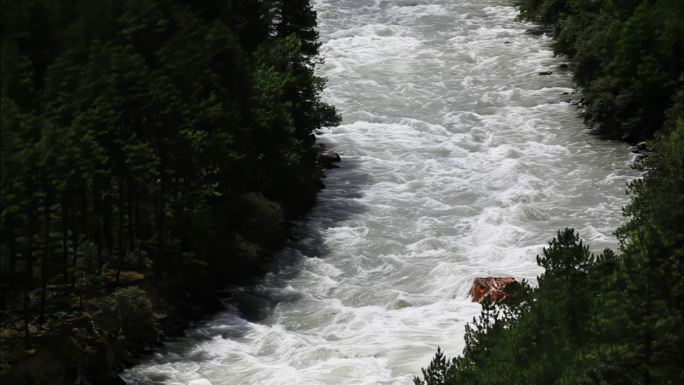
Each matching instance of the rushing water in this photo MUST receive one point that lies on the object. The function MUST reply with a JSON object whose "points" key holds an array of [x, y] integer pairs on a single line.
{"points": [[459, 161]]}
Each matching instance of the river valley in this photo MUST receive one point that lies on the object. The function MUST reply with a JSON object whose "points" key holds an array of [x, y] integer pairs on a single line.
{"points": [[459, 161]]}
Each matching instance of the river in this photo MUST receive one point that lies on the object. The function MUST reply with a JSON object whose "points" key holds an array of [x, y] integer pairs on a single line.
{"points": [[459, 161]]}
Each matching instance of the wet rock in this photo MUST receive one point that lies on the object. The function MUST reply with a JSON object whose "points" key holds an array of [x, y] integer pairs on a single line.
{"points": [[539, 30], [507, 42], [493, 287], [545, 73], [639, 157], [328, 159], [579, 103], [642, 146], [642, 151], [563, 66], [565, 93]]}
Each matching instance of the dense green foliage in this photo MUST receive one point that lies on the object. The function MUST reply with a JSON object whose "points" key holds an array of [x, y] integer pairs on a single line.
{"points": [[627, 57], [611, 318], [150, 148]]}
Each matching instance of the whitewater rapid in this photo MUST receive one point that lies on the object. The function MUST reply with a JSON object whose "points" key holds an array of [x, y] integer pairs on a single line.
{"points": [[459, 161]]}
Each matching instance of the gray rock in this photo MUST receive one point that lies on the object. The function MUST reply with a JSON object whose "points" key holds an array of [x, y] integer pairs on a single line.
{"points": [[328, 159]]}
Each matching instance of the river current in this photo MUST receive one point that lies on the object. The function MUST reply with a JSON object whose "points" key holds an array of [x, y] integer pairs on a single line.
{"points": [[459, 161]]}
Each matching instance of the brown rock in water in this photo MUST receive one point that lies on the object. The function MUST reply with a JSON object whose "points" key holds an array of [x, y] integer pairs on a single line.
{"points": [[490, 286]]}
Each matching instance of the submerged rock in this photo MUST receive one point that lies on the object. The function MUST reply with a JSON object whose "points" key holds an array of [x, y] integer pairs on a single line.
{"points": [[401, 304], [545, 73], [490, 286], [539, 30], [200, 381]]}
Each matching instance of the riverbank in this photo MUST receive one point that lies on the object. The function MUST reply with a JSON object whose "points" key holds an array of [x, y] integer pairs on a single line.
{"points": [[76, 350]]}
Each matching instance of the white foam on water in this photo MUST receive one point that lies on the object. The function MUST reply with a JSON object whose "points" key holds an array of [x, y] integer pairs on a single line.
{"points": [[459, 161]]}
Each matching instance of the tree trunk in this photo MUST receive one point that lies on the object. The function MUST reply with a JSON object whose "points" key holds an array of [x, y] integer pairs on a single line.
{"points": [[107, 219], [137, 234], [11, 274], [97, 210], [74, 237], [98, 234], [28, 254], [83, 212], [65, 238], [129, 206], [12, 250], [44, 260], [159, 214], [121, 249], [160, 209]]}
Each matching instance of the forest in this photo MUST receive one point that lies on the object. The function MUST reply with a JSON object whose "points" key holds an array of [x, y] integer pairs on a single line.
{"points": [[613, 317], [153, 151]]}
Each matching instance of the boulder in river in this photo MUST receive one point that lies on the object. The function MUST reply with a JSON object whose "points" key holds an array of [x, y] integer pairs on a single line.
{"points": [[579, 103], [545, 73], [642, 151], [642, 146], [328, 159], [495, 287]]}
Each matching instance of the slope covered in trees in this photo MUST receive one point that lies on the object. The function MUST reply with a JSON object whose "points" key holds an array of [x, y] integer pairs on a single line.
{"points": [[626, 57], [615, 317], [152, 151]]}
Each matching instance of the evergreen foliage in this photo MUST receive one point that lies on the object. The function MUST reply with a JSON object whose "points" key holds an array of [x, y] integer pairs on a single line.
{"points": [[152, 150]]}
